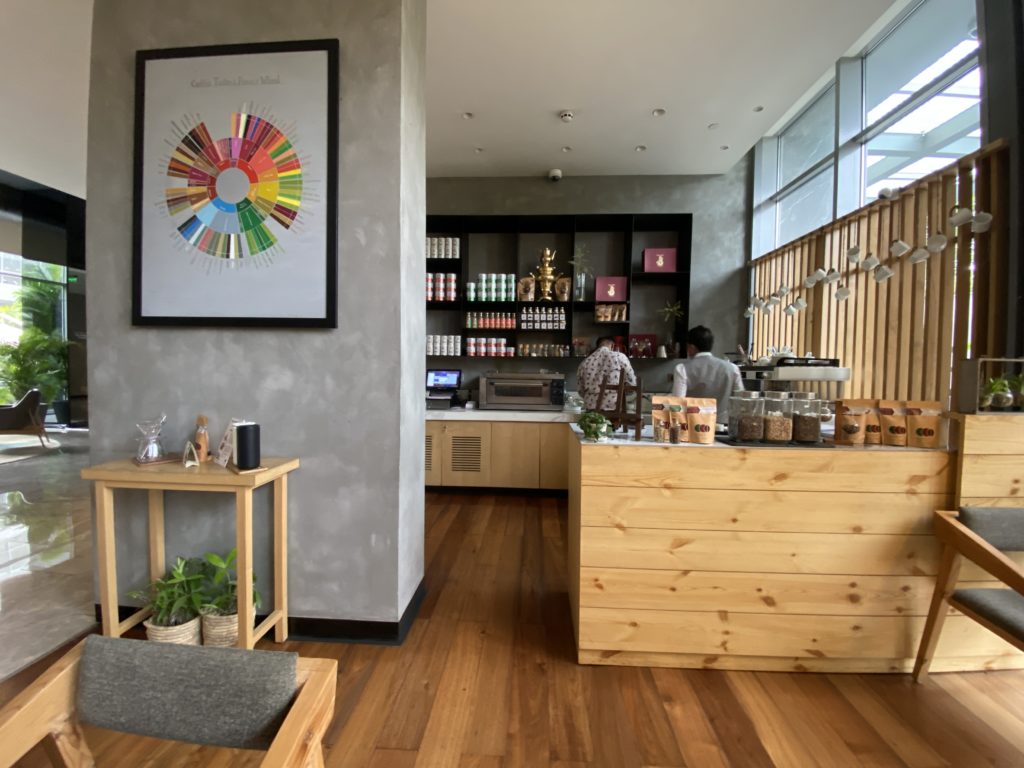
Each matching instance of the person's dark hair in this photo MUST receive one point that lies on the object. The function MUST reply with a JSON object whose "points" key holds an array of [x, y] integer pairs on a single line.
{"points": [[602, 339], [700, 337]]}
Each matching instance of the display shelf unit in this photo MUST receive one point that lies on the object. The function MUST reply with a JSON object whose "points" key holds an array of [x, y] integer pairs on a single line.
{"points": [[613, 245]]}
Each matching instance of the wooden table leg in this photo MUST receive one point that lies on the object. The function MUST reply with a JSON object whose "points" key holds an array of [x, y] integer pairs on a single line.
{"points": [[157, 565], [243, 543], [281, 557], [106, 554]]}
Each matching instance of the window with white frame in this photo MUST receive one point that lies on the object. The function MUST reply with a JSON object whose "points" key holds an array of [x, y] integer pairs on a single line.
{"points": [[916, 108]]}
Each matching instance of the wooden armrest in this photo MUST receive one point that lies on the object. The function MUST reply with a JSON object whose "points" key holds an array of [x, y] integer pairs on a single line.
{"points": [[299, 736], [965, 541], [40, 710]]}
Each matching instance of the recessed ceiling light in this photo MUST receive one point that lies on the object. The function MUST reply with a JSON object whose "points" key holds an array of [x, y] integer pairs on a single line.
{"points": [[659, 112], [712, 126], [567, 149], [640, 148], [468, 115], [759, 108], [724, 147], [478, 150]]}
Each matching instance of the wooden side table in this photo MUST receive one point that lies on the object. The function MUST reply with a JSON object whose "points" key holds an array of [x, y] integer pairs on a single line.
{"points": [[207, 477]]}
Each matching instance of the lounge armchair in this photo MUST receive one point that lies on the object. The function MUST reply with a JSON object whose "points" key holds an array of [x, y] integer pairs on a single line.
{"points": [[22, 418], [220, 696], [980, 534]]}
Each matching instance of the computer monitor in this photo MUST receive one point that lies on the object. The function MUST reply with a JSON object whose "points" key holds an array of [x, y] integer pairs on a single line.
{"points": [[443, 379]]}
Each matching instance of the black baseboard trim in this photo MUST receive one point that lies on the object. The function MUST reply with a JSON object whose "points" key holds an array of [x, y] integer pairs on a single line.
{"points": [[473, 491], [349, 631]]}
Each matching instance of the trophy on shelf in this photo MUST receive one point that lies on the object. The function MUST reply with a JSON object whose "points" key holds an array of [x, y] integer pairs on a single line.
{"points": [[546, 275]]}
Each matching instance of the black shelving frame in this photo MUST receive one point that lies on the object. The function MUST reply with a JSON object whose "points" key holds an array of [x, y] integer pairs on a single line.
{"points": [[674, 227]]}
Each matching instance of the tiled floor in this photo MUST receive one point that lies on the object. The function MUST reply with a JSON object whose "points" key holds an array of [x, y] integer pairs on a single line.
{"points": [[46, 571]]}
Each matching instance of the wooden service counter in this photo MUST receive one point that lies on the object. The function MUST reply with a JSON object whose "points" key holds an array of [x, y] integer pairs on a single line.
{"points": [[816, 559]]}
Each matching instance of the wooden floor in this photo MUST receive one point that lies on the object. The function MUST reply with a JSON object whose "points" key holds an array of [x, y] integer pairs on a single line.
{"points": [[487, 679]]}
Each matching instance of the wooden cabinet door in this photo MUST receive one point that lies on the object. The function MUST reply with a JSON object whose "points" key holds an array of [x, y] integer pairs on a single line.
{"points": [[554, 455], [434, 450], [467, 454], [515, 462]]}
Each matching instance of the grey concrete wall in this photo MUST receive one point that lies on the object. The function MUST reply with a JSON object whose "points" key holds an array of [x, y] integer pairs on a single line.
{"points": [[721, 219], [341, 400]]}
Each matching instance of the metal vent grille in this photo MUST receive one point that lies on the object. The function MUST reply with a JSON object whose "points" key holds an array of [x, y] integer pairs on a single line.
{"points": [[429, 456], [466, 453]]}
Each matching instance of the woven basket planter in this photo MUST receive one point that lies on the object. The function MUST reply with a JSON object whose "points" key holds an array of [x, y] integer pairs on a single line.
{"points": [[182, 634], [220, 631]]}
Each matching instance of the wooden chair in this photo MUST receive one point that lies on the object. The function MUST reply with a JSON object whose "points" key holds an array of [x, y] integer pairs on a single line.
{"points": [[977, 533], [621, 416], [221, 696], [22, 418]]}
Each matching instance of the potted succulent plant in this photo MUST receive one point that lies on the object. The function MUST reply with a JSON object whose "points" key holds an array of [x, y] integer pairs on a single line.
{"points": [[175, 600], [1017, 390], [594, 426], [996, 394], [220, 600]]}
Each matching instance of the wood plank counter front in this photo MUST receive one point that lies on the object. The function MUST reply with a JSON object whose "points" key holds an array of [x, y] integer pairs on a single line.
{"points": [[762, 558]]}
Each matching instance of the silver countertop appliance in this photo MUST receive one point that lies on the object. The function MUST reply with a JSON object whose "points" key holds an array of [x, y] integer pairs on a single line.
{"points": [[543, 391]]}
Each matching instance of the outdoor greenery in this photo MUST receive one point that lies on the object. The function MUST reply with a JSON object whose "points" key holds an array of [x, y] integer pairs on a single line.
{"points": [[40, 358]]}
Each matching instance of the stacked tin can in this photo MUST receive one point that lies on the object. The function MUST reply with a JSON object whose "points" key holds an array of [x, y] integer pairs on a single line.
{"points": [[442, 248], [492, 286], [441, 286], [449, 345], [489, 347]]}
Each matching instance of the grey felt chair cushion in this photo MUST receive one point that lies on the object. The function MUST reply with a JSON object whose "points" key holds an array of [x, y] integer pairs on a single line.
{"points": [[1003, 607], [1003, 528], [227, 697]]}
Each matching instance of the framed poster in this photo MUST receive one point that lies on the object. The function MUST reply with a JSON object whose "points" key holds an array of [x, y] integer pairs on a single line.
{"points": [[236, 176]]}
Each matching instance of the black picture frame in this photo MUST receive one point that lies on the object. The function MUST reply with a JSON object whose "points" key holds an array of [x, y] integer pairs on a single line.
{"points": [[172, 246]]}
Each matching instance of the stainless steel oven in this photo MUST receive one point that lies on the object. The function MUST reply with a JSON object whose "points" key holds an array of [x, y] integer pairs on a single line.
{"points": [[522, 391]]}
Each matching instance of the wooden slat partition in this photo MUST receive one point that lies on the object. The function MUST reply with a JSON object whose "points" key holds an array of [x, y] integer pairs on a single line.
{"points": [[903, 337]]}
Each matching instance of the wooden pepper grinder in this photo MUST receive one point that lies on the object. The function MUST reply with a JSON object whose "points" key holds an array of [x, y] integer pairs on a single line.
{"points": [[202, 441]]}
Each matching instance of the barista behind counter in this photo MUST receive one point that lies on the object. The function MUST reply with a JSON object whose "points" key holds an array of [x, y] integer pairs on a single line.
{"points": [[703, 375]]}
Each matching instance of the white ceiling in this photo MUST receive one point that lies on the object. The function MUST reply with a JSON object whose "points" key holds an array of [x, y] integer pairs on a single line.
{"points": [[515, 65]]}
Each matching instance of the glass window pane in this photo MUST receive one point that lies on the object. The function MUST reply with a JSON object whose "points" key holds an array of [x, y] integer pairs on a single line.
{"points": [[931, 40], [805, 208], [810, 138], [939, 131]]}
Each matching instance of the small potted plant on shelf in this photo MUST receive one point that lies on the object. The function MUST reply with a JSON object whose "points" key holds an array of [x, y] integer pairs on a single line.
{"points": [[996, 394], [175, 601], [672, 313], [220, 604], [582, 270], [594, 426]]}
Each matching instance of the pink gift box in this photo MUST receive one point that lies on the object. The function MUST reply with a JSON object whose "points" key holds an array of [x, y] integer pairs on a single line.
{"points": [[659, 259], [610, 289]]}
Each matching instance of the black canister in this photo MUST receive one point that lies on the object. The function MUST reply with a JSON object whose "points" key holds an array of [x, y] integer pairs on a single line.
{"points": [[247, 446]]}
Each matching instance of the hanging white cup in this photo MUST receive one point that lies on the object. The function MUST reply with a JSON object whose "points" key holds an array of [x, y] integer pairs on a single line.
{"points": [[832, 276], [869, 263], [853, 254], [843, 293], [887, 193], [959, 216], [748, 312], [936, 243], [819, 274], [790, 309], [883, 273], [800, 303], [981, 222], [774, 301], [810, 281], [898, 248], [919, 255]]}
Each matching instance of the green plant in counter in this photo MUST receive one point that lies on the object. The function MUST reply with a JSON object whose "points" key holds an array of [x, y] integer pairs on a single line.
{"points": [[594, 425], [996, 393], [178, 597], [220, 585], [1017, 389]]}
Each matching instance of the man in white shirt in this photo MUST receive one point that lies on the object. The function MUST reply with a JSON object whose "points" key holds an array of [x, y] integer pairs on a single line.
{"points": [[702, 375], [604, 360]]}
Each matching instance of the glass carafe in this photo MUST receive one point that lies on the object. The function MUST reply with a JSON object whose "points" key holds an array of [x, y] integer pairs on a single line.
{"points": [[150, 448]]}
